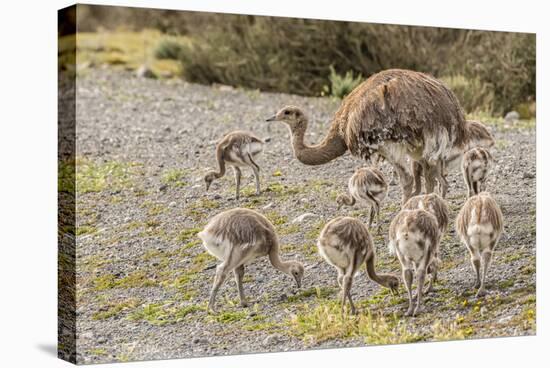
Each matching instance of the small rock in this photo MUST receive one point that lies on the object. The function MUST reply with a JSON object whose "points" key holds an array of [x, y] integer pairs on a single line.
{"points": [[87, 335], [172, 204], [101, 340], [511, 117], [145, 72], [304, 217], [505, 319], [200, 340], [528, 175], [483, 311], [267, 206], [217, 196], [271, 340], [163, 187]]}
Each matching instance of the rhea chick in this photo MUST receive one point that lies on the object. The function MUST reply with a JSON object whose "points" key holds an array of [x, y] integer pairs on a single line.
{"points": [[414, 238], [479, 225], [345, 243], [476, 135], [237, 237], [237, 149], [367, 185], [437, 206], [475, 168]]}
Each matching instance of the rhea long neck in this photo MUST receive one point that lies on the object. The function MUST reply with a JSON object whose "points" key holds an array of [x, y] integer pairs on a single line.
{"points": [[331, 147]]}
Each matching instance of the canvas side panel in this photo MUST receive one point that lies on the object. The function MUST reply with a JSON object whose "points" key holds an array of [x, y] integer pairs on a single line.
{"points": [[66, 307]]}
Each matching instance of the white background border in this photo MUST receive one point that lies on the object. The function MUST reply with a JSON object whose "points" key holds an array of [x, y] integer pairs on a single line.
{"points": [[28, 167]]}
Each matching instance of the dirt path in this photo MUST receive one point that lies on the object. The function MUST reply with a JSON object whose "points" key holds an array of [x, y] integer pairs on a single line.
{"points": [[143, 277]]}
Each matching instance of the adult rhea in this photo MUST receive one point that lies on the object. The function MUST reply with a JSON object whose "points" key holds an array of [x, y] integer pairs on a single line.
{"points": [[395, 113]]}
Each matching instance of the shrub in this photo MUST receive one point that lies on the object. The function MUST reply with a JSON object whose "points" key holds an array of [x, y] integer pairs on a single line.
{"points": [[474, 95], [341, 86], [168, 49]]}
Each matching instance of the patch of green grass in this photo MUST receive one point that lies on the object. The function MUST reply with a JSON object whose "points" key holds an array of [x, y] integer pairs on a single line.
{"points": [[200, 261], [512, 257], [314, 232], [85, 229], [318, 185], [187, 234], [288, 229], [528, 270], [506, 284], [230, 316], [174, 177], [281, 190], [97, 351], [153, 208], [114, 309], [276, 218], [159, 314], [133, 280], [326, 322], [318, 292], [200, 209], [99, 176]]}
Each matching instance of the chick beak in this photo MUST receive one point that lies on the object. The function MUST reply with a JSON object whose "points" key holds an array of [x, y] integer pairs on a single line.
{"points": [[271, 118]]}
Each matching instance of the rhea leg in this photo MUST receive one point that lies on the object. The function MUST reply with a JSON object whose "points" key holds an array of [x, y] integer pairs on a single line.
{"points": [[256, 170], [476, 264], [239, 273], [407, 280], [237, 173], [346, 290], [486, 260], [221, 274], [442, 178], [406, 181], [417, 174], [421, 276], [432, 270]]}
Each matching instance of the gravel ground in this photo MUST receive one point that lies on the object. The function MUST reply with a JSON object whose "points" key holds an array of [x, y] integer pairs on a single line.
{"points": [[143, 278]]}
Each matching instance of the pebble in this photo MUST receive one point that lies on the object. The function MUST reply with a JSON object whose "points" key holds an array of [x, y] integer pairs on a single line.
{"points": [[304, 217], [145, 72], [511, 117], [505, 319], [200, 340], [267, 206], [271, 340], [163, 187]]}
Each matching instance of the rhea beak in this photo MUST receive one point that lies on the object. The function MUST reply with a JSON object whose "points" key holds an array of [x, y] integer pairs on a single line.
{"points": [[208, 185], [298, 281], [271, 118]]}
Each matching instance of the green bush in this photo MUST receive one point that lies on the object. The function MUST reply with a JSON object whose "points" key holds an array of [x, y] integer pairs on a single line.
{"points": [[474, 95], [341, 86], [168, 49]]}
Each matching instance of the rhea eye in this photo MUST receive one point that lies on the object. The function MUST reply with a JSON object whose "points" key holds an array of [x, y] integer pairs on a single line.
{"points": [[287, 112]]}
